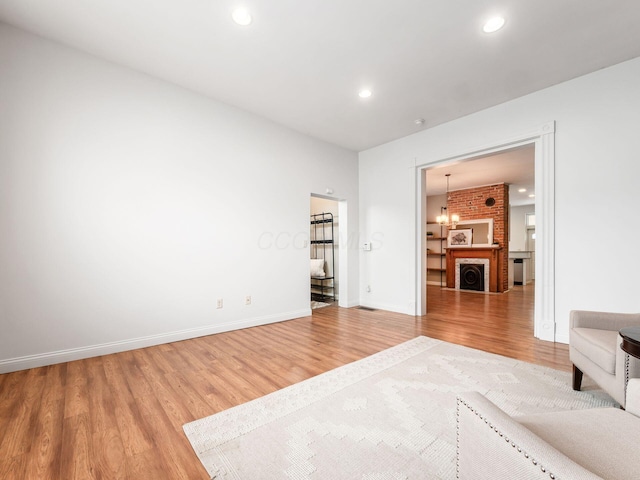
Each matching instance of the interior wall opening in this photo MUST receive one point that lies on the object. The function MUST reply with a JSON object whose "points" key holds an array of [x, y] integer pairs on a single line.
{"points": [[324, 247], [538, 148], [488, 200]]}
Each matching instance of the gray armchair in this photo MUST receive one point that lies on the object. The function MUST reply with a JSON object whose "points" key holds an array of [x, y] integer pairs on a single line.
{"points": [[594, 349]]}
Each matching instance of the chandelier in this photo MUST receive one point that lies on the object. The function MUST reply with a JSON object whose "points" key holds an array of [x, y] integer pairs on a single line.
{"points": [[443, 219]]}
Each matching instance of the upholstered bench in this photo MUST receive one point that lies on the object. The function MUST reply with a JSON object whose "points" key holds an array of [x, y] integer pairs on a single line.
{"points": [[601, 443]]}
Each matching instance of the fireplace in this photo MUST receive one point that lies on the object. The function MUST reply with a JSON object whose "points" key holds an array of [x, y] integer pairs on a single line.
{"points": [[472, 277], [472, 272]]}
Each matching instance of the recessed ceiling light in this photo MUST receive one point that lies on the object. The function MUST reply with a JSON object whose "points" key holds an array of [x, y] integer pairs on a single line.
{"points": [[531, 196], [522, 190], [419, 121], [364, 93], [241, 16], [493, 25]]}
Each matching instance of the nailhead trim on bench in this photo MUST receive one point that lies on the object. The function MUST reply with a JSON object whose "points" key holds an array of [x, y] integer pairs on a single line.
{"points": [[495, 429]]}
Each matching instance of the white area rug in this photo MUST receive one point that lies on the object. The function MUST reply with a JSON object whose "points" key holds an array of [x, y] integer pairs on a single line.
{"points": [[387, 416]]}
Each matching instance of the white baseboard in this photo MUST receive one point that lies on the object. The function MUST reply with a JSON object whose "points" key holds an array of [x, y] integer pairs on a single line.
{"points": [[350, 304], [387, 307], [51, 358]]}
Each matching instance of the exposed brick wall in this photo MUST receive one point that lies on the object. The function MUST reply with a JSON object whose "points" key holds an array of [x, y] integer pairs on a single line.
{"points": [[470, 205]]}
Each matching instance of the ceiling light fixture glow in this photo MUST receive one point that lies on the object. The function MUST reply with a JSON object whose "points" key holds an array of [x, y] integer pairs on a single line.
{"points": [[241, 16], [364, 93], [522, 190], [493, 25]]}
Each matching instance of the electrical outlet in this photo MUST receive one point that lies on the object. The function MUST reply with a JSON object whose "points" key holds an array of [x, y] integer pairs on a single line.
{"points": [[247, 300], [219, 304]]}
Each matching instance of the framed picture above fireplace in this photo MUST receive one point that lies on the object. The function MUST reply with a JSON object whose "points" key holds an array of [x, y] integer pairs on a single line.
{"points": [[459, 237], [482, 229]]}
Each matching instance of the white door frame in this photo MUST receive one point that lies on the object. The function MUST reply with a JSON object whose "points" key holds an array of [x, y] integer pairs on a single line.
{"points": [[543, 137]]}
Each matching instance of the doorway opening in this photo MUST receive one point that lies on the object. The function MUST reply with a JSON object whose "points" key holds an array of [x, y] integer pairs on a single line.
{"points": [[488, 198], [324, 234], [540, 142], [530, 222]]}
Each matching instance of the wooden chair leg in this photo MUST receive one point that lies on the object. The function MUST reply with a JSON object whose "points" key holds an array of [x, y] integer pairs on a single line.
{"points": [[577, 378]]}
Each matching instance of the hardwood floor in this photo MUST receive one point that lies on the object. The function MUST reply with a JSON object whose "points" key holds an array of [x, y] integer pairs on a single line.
{"points": [[120, 416]]}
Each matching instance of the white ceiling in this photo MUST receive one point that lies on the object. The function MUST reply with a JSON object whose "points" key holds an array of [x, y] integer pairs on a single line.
{"points": [[302, 62]]}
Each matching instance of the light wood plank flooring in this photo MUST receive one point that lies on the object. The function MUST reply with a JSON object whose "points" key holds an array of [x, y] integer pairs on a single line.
{"points": [[120, 416]]}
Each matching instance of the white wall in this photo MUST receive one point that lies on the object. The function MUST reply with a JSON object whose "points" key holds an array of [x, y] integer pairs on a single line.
{"points": [[129, 205], [387, 205], [597, 141]]}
